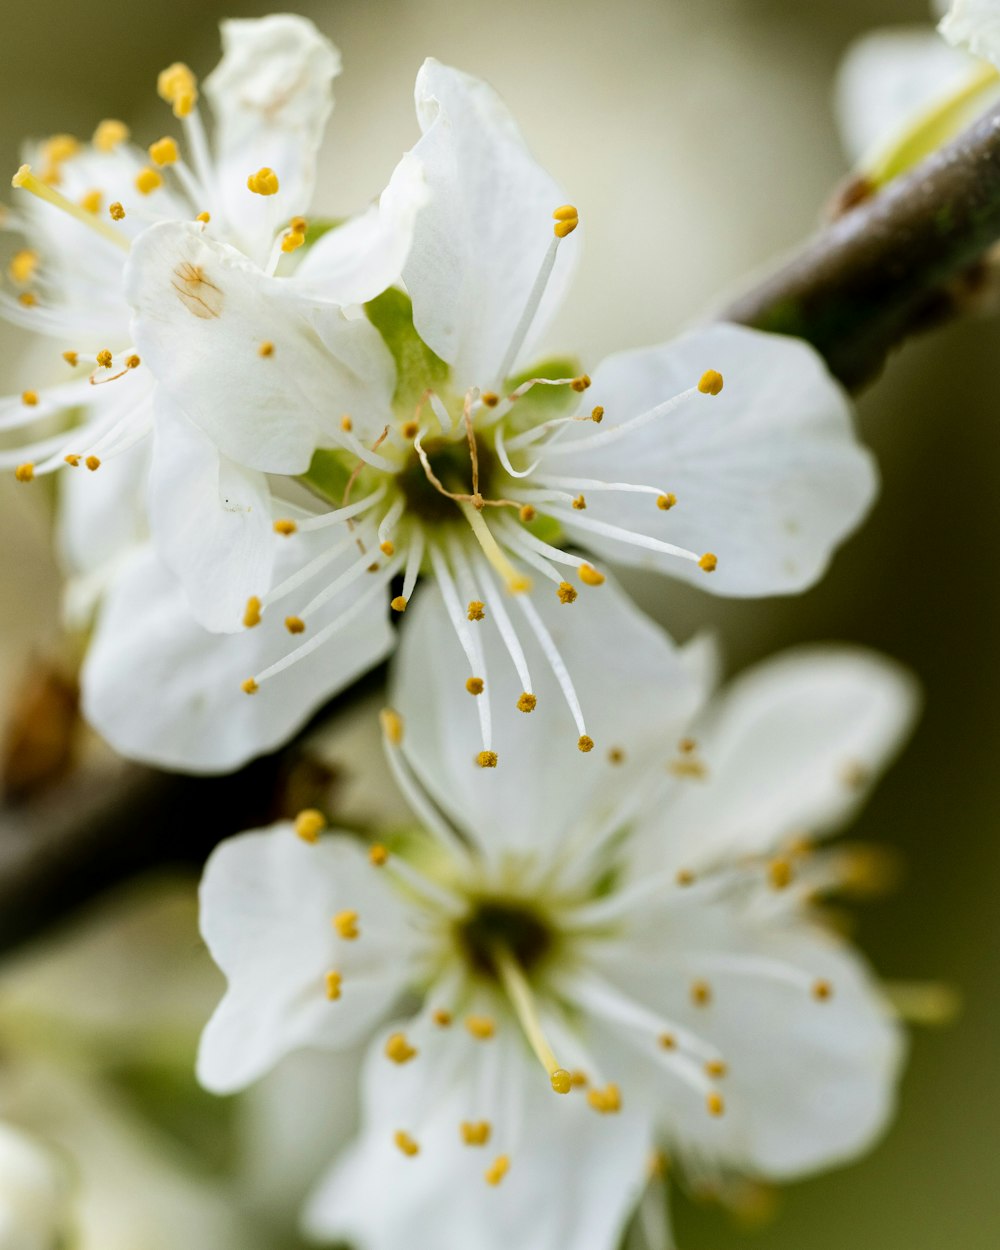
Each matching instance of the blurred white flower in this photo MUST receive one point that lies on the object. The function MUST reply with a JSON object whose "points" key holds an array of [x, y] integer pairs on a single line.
{"points": [[34, 1194], [974, 25], [483, 473], [576, 965]]}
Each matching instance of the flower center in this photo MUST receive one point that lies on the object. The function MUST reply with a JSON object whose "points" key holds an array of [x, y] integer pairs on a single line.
{"points": [[502, 924], [450, 462]]}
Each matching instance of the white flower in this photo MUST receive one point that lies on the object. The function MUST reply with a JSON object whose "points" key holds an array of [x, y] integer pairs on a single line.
{"points": [[564, 928], [271, 96], [485, 473], [34, 1206], [974, 25]]}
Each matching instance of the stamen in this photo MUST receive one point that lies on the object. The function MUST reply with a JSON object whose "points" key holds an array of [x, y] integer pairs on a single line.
{"points": [[468, 639], [71, 358], [497, 1170], [378, 855], [626, 428], [487, 759], [606, 1101], [475, 1134], [333, 985], [506, 629], [710, 382], [178, 86], [23, 266], [398, 1049], [474, 611], [263, 182], [556, 663], [523, 1001], [110, 134], [148, 180], [442, 1018], [28, 181], [309, 824], [590, 576], [285, 526], [629, 536], [516, 582], [346, 925], [406, 1143], [482, 1028], [344, 513], [116, 211]]}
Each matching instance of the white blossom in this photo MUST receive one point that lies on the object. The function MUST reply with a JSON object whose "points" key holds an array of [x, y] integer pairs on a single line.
{"points": [[34, 1194]]}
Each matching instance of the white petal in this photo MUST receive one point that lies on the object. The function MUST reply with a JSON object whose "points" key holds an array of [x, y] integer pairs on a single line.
{"points": [[480, 241], [211, 521], [271, 95], [165, 691], [809, 1083], [793, 746], [358, 260], [202, 314], [768, 475], [888, 79], [267, 902], [635, 687], [573, 1177], [34, 1194], [975, 25]]}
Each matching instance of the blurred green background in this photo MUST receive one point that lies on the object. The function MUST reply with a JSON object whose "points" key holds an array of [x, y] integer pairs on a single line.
{"points": [[698, 141]]}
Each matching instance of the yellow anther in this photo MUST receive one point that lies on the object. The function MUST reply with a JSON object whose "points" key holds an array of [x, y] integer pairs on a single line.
{"points": [[398, 604], [249, 686], [406, 1143], [475, 1134], [309, 824], [578, 1079], [822, 991], [91, 201], [607, 1101], [93, 463], [392, 725], [133, 362], [475, 610], [72, 461], [148, 180], [22, 267], [566, 592], [615, 755], [482, 1028], [708, 562], [527, 702], [487, 759], [497, 1170], [666, 502], [295, 624], [442, 1018], [116, 211], [597, 414], [25, 472], [298, 225], [378, 855], [204, 218], [585, 743], [179, 87], [292, 241], [71, 358], [263, 182], [579, 503], [667, 1041], [105, 359], [701, 993], [567, 219], [779, 873], [30, 398], [715, 1104], [561, 1081], [333, 984], [164, 151], [716, 1068], [684, 877], [581, 383], [59, 148], [387, 548], [410, 429], [346, 424], [475, 685], [285, 526], [251, 614], [109, 134], [710, 382], [398, 1049], [22, 177], [590, 576], [28, 299], [527, 513], [346, 924]]}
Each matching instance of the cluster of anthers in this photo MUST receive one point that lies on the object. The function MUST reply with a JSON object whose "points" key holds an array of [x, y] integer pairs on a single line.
{"points": [[469, 490], [524, 943], [124, 425]]}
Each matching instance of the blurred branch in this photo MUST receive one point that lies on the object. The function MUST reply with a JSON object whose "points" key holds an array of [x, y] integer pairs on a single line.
{"points": [[895, 263]]}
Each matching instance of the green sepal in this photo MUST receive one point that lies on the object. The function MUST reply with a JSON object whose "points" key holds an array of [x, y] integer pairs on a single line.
{"points": [[327, 475], [417, 367]]}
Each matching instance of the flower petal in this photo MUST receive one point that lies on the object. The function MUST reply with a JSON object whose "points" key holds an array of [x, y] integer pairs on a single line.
{"points": [[637, 692], [165, 691], [271, 95], [480, 241], [974, 25], [793, 746], [267, 902], [265, 372], [211, 521], [768, 475], [357, 261], [573, 1176]]}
